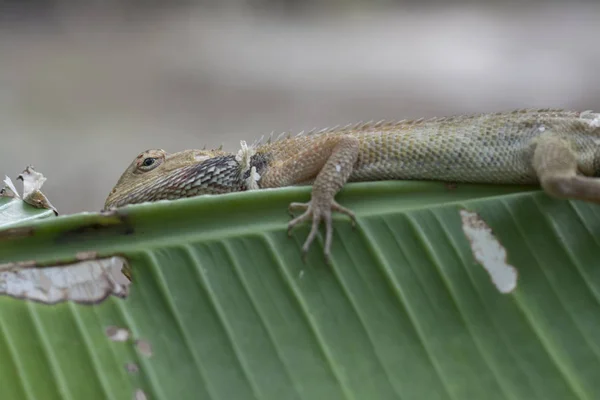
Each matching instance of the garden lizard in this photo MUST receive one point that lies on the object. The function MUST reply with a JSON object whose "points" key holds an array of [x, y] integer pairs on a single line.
{"points": [[556, 149]]}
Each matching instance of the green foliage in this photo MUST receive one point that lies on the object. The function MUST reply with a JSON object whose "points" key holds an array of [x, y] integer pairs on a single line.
{"points": [[14, 211], [232, 312]]}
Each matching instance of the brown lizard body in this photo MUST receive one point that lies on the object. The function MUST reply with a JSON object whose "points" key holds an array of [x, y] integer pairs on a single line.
{"points": [[558, 149]]}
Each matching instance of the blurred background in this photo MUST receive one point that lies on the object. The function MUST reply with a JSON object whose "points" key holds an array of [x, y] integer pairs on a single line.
{"points": [[86, 86]]}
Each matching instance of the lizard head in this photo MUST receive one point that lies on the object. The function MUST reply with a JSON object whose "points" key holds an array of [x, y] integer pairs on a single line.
{"points": [[150, 171]]}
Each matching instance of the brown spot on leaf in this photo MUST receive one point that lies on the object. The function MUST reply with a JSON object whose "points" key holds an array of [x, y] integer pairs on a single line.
{"points": [[104, 224], [144, 347], [16, 233], [132, 368]]}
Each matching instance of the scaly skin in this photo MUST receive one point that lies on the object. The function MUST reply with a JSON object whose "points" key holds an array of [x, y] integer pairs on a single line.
{"points": [[560, 150]]}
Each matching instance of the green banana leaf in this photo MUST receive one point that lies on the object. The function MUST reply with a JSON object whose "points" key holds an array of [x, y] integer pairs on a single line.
{"points": [[15, 210], [222, 306]]}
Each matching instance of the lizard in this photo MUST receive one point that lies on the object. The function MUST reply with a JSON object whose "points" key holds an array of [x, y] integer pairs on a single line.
{"points": [[556, 149]]}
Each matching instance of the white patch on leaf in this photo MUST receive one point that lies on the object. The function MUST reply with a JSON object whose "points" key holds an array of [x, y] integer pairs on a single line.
{"points": [[488, 251], [117, 334], [83, 282]]}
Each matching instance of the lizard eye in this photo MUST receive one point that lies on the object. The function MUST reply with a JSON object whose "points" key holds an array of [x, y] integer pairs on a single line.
{"points": [[148, 164]]}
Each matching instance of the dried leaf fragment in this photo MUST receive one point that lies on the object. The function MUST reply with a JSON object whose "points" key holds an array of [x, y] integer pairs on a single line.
{"points": [[32, 194], [84, 282], [9, 189], [488, 251]]}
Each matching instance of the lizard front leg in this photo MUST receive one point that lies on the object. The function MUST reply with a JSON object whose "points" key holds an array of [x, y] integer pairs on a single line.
{"points": [[329, 181], [329, 162], [556, 166]]}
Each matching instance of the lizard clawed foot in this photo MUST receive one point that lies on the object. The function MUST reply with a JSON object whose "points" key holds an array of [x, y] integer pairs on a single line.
{"points": [[318, 214]]}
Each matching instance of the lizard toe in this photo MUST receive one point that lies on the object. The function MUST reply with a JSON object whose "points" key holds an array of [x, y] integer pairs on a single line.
{"points": [[300, 219], [318, 214], [335, 206], [328, 233], [297, 206], [316, 221]]}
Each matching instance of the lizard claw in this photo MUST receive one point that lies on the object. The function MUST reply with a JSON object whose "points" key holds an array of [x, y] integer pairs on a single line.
{"points": [[318, 214]]}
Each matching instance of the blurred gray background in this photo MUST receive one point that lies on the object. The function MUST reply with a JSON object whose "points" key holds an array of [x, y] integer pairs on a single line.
{"points": [[86, 86]]}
